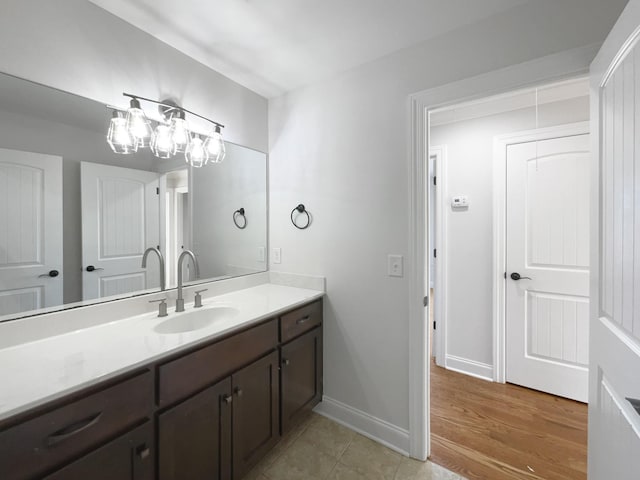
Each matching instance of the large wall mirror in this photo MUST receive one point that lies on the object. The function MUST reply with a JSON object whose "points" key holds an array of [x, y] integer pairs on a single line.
{"points": [[76, 218]]}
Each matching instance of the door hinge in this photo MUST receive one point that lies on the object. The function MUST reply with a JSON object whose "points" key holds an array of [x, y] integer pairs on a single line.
{"points": [[505, 275], [434, 325], [435, 181], [157, 190], [435, 253], [425, 301]]}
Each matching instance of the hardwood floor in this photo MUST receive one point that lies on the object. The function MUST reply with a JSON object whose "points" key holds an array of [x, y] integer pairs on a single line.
{"points": [[490, 431]]}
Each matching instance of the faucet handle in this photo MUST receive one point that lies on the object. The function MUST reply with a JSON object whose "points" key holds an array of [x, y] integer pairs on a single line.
{"points": [[162, 307], [197, 303]]}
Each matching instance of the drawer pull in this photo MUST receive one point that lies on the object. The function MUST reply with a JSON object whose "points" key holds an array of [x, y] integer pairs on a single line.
{"points": [[143, 452], [227, 399], [286, 362], [73, 429], [239, 392], [302, 320]]}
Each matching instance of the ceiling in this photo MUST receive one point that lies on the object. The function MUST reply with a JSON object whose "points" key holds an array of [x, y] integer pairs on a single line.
{"points": [[273, 46]]}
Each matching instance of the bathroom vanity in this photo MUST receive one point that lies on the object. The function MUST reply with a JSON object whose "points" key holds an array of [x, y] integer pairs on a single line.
{"points": [[198, 408]]}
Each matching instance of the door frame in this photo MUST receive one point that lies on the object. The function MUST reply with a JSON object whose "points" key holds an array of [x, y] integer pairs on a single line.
{"points": [[500, 146], [440, 242], [561, 66]]}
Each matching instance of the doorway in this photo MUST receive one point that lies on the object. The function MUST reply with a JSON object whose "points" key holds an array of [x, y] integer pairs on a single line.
{"points": [[490, 325]]}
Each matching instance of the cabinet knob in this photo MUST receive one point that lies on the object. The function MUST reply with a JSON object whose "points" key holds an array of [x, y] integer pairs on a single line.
{"points": [[143, 452], [227, 399], [285, 362], [239, 392]]}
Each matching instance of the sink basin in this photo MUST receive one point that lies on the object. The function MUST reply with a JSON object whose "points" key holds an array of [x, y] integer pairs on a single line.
{"points": [[195, 320]]}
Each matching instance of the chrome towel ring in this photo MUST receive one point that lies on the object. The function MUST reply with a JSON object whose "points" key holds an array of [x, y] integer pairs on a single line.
{"points": [[301, 209], [240, 214]]}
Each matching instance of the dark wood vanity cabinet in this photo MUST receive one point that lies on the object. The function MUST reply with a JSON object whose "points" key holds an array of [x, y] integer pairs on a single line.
{"points": [[301, 377], [209, 414], [129, 457]]}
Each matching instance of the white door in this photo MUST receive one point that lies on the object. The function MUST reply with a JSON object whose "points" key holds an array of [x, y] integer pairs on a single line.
{"points": [[614, 423], [120, 220], [547, 309], [31, 231]]}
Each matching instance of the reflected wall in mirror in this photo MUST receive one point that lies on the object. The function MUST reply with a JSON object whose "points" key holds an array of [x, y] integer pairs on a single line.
{"points": [[76, 218]]}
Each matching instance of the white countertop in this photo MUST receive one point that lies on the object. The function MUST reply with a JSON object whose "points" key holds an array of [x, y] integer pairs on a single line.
{"points": [[37, 372]]}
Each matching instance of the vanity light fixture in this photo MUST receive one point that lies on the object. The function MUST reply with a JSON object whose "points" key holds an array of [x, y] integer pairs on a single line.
{"points": [[171, 135], [119, 137], [138, 124]]}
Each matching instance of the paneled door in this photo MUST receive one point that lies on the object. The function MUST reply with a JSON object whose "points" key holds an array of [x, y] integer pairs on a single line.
{"points": [[30, 231], [614, 393], [547, 279], [120, 220]]}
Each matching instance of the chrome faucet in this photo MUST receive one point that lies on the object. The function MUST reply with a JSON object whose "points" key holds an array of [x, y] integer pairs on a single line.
{"points": [[185, 253], [160, 258]]}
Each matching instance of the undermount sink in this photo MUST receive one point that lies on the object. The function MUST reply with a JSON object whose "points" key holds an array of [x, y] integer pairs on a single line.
{"points": [[195, 320]]}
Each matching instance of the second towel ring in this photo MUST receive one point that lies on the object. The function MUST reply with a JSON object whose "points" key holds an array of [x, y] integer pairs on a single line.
{"points": [[240, 213], [301, 209]]}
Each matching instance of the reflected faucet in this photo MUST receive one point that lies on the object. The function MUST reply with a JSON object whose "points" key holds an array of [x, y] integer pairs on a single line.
{"points": [[185, 253], [160, 258]]}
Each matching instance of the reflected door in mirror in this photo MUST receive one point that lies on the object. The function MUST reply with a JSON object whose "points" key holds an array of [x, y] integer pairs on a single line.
{"points": [[120, 219], [30, 231]]}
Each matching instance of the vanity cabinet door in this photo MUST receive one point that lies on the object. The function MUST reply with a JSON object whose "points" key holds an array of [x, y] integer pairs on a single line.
{"points": [[129, 457], [194, 437], [256, 391], [301, 377]]}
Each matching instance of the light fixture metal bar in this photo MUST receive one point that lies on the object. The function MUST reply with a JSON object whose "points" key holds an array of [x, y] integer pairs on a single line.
{"points": [[173, 107]]}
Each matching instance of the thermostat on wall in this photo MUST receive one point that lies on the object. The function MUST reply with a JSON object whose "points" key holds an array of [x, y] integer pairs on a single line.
{"points": [[460, 201]]}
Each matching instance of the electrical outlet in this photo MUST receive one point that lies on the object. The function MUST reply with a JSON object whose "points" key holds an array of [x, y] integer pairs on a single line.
{"points": [[395, 265], [261, 254], [277, 255]]}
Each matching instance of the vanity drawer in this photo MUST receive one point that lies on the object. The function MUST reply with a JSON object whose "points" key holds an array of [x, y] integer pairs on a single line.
{"points": [[301, 320], [51, 439], [195, 371]]}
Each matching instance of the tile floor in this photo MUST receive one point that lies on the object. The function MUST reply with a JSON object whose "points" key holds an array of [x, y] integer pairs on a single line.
{"points": [[320, 449]]}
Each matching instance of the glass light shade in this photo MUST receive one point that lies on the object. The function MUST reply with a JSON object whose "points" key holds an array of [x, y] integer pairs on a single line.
{"points": [[119, 138], [196, 154], [161, 142], [215, 147], [139, 125], [180, 133]]}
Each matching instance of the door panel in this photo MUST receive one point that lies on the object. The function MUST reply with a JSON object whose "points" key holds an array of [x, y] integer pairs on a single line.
{"points": [[31, 231], [614, 425], [548, 245], [120, 219], [256, 419]]}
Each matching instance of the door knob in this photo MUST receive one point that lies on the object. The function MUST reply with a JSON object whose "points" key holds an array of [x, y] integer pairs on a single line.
{"points": [[516, 276], [239, 392], [52, 273], [91, 268], [227, 399]]}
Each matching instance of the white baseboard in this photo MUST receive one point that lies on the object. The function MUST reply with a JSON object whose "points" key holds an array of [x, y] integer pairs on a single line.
{"points": [[371, 427], [469, 367]]}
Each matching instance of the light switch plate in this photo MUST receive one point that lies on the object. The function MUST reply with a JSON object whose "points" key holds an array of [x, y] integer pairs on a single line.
{"points": [[277, 255], [395, 265]]}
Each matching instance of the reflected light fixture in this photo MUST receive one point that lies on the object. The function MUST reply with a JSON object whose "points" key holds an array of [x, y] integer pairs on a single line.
{"points": [[196, 154], [161, 142], [119, 137], [179, 132], [215, 146], [138, 124], [171, 136]]}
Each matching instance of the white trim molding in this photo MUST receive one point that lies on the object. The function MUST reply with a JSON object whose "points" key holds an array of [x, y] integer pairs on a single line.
{"points": [[480, 370], [389, 435], [500, 145], [556, 67]]}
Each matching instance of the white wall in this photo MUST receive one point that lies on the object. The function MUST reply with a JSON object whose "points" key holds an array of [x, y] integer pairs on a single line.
{"points": [[469, 171], [340, 147], [76, 46]]}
